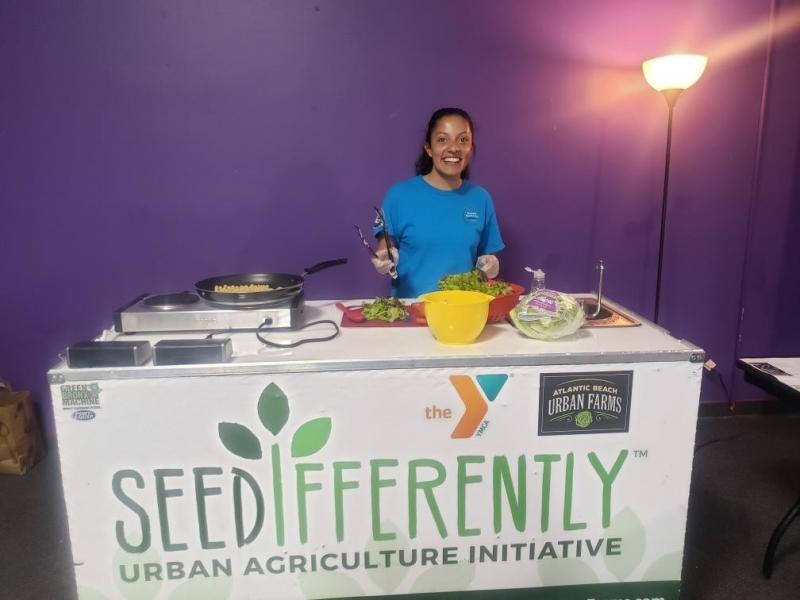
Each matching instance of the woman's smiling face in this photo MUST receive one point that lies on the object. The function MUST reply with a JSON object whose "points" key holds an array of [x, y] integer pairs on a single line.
{"points": [[450, 146]]}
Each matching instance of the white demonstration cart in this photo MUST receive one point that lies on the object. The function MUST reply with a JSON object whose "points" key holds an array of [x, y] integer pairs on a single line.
{"points": [[382, 462]]}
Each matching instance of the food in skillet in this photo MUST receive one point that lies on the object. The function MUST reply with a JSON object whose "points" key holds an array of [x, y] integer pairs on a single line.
{"points": [[244, 288], [471, 281], [385, 309]]}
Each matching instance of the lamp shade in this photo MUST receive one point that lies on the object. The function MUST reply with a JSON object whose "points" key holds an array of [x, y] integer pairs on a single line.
{"points": [[675, 71]]}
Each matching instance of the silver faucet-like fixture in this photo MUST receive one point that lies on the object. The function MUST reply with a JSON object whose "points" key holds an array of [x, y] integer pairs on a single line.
{"points": [[600, 268]]}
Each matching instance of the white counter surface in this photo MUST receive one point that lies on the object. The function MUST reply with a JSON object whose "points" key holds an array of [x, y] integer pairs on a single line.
{"points": [[358, 348]]}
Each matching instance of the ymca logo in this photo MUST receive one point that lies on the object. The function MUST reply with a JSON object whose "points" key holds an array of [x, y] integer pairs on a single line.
{"points": [[474, 398]]}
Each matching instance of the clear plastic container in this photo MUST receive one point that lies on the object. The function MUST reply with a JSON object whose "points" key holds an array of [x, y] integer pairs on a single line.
{"points": [[546, 314]]}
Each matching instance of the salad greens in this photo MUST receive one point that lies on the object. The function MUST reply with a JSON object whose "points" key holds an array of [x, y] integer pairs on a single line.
{"points": [[472, 281], [546, 325], [385, 309]]}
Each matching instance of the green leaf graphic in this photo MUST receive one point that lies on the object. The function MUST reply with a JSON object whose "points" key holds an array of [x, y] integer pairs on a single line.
{"points": [[571, 571], [626, 525], [329, 584], [583, 419], [388, 578], [203, 588], [311, 436], [273, 408], [239, 440], [444, 578], [87, 593], [666, 568], [138, 589]]}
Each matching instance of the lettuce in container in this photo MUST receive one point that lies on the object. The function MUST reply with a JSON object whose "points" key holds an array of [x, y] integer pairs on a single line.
{"points": [[472, 281], [545, 314]]}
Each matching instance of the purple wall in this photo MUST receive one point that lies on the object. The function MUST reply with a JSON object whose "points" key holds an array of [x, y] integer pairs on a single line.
{"points": [[771, 284], [148, 145]]}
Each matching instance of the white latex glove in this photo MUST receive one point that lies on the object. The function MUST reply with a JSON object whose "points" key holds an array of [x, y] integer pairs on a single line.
{"points": [[489, 264], [382, 264]]}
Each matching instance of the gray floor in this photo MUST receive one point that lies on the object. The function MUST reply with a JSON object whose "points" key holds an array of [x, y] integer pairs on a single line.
{"points": [[746, 476]]}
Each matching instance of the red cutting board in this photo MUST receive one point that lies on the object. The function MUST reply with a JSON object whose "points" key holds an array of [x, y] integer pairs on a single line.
{"points": [[412, 321]]}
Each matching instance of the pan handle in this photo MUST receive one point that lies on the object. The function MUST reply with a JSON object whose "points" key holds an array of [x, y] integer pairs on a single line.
{"points": [[324, 265]]}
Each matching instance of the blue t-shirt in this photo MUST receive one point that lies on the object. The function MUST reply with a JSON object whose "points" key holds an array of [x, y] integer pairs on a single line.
{"points": [[438, 232]]}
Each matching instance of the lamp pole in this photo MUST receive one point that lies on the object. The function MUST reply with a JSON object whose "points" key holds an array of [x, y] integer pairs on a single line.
{"points": [[670, 75], [671, 96]]}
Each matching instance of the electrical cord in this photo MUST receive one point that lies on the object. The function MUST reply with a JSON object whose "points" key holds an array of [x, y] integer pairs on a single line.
{"points": [[715, 441], [211, 335], [728, 396], [299, 342], [710, 366], [266, 342]]}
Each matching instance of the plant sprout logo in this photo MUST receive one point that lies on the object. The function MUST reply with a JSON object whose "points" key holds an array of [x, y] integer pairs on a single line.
{"points": [[474, 403], [273, 412]]}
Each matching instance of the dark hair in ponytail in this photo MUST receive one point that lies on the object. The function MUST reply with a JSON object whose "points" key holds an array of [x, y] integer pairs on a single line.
{"points": [[424, 163]]}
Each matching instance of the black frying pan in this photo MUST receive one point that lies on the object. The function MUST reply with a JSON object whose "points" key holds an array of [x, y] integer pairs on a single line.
{"points": [[284, 286]]}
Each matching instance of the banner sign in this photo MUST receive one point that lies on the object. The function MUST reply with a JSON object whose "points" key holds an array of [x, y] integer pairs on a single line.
{"points": [[569, 481]]}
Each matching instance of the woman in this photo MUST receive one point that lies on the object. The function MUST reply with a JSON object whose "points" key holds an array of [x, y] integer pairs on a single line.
{"points": [[439, 222]]}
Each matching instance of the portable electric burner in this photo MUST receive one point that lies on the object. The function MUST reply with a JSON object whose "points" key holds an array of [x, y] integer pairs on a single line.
{"points": [[186, 311]]}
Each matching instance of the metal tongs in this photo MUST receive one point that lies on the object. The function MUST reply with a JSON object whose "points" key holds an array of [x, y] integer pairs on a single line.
{"points": [[380, 221]]}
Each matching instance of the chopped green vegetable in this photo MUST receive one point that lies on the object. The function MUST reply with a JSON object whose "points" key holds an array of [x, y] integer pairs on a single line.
{"points": [[473, 282], [385, 309]]}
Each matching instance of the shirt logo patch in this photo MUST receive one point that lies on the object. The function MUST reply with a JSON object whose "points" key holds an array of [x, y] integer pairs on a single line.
{"points": [[471, 215]]}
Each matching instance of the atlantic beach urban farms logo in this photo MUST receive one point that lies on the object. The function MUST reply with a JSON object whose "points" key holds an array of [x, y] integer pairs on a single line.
{"points": [[584, 402]]}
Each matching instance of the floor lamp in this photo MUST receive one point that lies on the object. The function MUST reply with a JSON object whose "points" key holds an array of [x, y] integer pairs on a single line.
{"points": [[670, 75]]}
